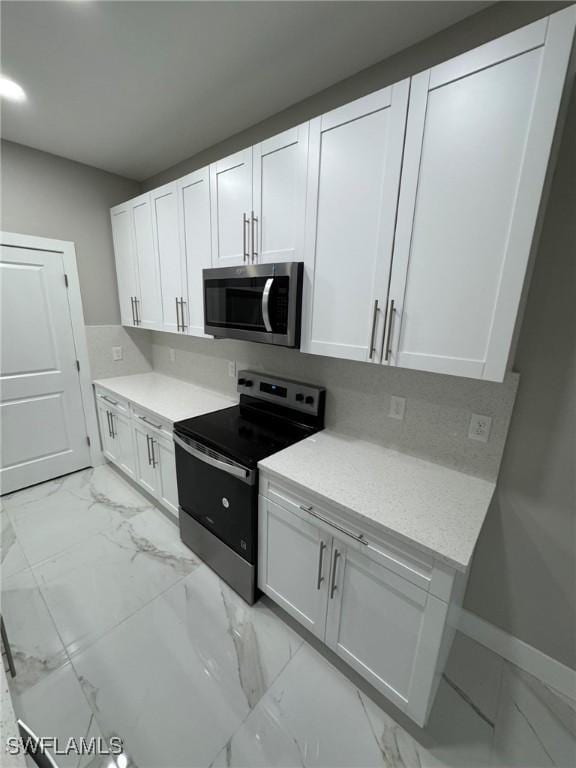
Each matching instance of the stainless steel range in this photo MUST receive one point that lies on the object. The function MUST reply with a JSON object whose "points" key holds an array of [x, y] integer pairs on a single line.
{"points": [[216, 464]]}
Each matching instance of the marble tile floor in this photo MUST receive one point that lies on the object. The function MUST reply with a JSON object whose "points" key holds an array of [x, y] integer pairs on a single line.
{"points": [[119, 630]]}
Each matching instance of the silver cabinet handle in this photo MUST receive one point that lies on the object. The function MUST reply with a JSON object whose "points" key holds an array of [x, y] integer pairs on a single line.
{"points": [[391, 311], [215, 460], [146, 420], [109, 400], [108, 420], [153, 452], [177, 315], [133, 312], [356, 536], [182, 323], [245, 250], [148, 449], [254, 248], [333, 587], [137, 311], [114, 433], [373, 334], [320, 578], [266, 304]]}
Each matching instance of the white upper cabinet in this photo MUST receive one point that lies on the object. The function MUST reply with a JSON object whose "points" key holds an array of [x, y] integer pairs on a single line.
{"points": [[279, 194], [231, 199], [478, 141], [149, 305], [353, 179], [126, 266], [173, 288], [194, 218]]}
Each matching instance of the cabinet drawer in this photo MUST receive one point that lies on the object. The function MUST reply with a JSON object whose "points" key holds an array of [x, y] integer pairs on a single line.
{"points": [[112, 401], [412, 565], [152, 422]]}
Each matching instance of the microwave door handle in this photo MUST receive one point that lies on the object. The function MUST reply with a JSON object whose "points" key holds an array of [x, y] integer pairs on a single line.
{"points": [[266, 304]]}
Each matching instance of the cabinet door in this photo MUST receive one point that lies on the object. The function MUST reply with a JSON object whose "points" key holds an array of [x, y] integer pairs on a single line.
{"points": [[353, 179], [231, 200], [149, 302], [279, 189], [477, 148], [385, 627], [146, 473], [126, 267], [124, 442], [166, 466], [164, 202], [294, 565], [195, 233], [109, 447]]}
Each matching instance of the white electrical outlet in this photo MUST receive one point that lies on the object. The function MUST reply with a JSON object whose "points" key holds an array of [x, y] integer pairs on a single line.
{"points": [[171, 354], [232, 369], [480, 428], [397, 407], [117, 353]]}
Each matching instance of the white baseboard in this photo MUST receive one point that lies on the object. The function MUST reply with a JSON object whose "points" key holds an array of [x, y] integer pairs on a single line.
{"points": [[551, 672]]}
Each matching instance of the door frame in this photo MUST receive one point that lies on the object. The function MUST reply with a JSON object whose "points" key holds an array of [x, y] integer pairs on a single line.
{"points": [[67, 250]]}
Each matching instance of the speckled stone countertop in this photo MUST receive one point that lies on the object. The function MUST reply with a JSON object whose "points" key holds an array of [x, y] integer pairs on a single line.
{"points": [[440, 510], [171, 399]]}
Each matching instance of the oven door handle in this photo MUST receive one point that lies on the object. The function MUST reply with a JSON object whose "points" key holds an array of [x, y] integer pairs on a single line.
{"points": [[232, 469], [266, 304]]}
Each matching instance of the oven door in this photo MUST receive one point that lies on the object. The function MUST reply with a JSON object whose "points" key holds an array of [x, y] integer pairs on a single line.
{"points": [[262, 302], [219, 493]]}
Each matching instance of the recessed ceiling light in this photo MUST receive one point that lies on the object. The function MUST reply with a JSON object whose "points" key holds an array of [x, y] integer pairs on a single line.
{"points": [[11, 90]]}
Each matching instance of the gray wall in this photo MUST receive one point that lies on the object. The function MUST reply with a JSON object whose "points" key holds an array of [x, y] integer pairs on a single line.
{"points": [[524, 573], [49, 196]]}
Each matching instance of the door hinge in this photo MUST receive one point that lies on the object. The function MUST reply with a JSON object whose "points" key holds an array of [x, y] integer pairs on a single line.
{"points": [[88, 440], [65, 279], [78, 365]]}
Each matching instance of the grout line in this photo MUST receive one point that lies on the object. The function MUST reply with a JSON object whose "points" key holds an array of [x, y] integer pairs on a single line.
{"points": [[468, 701]]}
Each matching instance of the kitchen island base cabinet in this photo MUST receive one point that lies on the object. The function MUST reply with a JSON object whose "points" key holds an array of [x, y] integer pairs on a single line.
{"points": [[370, 604]]}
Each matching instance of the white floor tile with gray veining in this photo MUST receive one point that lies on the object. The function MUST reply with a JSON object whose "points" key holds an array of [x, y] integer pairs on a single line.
{"points": [[118, 630]]}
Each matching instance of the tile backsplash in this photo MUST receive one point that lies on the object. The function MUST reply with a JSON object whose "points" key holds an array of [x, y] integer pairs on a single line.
{"points": [[136, 350], [438, 408]]}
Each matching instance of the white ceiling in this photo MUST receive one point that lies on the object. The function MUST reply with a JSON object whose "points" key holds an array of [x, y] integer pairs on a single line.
{"points": [[134, 87]]}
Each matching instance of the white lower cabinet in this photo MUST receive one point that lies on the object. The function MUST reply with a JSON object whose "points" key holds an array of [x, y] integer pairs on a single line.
{"points": [[141, 446], [351, 592]]}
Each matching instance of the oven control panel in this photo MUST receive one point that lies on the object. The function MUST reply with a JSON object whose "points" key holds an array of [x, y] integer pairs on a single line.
{"points": [[291, 394]]}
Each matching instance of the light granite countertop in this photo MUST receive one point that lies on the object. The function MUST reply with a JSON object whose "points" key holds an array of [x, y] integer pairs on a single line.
{"points": [[440, 510], [171, 399]]}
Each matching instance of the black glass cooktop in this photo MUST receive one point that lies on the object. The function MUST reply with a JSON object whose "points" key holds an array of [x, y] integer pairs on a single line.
{"points": [[246, 435]]}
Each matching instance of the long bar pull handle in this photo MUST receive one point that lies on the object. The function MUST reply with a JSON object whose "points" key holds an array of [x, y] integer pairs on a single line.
{"points": [[320, 578], [245, 250], [334, 587], [254, 243], [133, 313], [177, 315], [266, 304], [357, 537], [108, 420], [373, 334], [182, 320], [109, 400], [153, 451], [391, 311], [136, 302], [148, 449], [113, 433]]}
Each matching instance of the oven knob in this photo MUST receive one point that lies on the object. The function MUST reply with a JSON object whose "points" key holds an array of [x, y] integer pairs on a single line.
{"points": [[309, 400], [248, 383], [299, 397], [241, 382]]}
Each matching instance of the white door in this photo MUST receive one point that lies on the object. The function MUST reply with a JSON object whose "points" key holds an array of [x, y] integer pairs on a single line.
{"points": [[194, 203], [149, 303], [167, 485], [478, 141], [231, 200], [353, 179], [164, 202], [146, 473], [382, 625], [295, 559], [43, 428], [279, 190], [126, 266], [124, 442]]}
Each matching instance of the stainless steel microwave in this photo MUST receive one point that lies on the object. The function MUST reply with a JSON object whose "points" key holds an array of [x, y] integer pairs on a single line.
{"points": [[260, 302]]}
